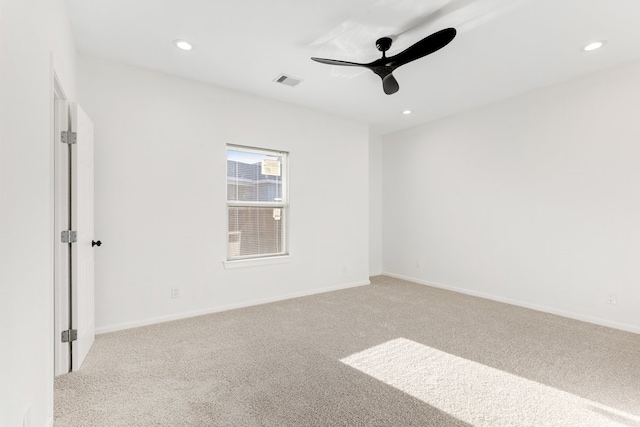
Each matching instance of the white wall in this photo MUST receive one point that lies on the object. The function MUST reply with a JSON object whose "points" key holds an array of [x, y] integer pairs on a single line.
{"points": [[30, 32], [161, 190], [375, 205], [533, 200]]}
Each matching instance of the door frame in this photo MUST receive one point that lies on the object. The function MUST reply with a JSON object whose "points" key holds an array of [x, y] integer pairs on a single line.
{"points": [[61, 273]]}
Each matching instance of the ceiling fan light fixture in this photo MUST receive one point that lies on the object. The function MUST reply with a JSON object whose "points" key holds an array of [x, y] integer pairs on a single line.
{"points": [[385, 66], [594, 45], [183, 44]]}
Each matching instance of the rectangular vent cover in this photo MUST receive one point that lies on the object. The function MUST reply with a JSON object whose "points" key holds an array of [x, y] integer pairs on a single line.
{"points": [[287, 80]]}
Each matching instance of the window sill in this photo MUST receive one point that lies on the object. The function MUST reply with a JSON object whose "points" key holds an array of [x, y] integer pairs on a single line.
{"points": [[242, 263]]}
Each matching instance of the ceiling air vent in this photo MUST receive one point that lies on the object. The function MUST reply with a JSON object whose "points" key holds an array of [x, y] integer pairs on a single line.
{"points": [[287, 80]]}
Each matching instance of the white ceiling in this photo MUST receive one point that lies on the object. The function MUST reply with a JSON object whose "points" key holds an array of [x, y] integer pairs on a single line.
{"points": [[503, 47]]}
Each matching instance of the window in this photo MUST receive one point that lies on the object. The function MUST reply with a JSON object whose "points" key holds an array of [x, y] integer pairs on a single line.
{"points": [[257, 205]]}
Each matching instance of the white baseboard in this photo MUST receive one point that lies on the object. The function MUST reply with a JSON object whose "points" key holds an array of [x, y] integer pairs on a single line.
{"points": [[544, 309], [185, 315]]}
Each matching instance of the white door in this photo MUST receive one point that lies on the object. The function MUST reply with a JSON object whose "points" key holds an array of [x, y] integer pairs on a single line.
{"points": [[62, 220], [82, 281]]}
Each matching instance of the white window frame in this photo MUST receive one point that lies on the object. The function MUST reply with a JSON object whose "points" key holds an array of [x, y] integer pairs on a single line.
{"points": [[261, 259]]}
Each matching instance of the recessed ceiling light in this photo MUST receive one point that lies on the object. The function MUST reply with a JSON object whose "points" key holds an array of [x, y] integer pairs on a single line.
{"points": [[183, 44], [594, 45], [407, 112]]}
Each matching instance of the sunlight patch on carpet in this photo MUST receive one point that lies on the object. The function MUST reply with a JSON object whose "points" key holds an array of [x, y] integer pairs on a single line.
{"points": [[478, 394]]}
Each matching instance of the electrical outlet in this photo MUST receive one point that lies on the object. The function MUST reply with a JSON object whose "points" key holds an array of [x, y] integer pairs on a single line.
{"points": [[175, 293], [611, 298]]}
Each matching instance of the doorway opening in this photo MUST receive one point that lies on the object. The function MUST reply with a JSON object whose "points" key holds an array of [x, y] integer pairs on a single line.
{"points": [[74, 311]]}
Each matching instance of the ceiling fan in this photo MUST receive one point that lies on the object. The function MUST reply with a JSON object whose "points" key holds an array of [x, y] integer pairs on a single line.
{"points": [[384, 66]]}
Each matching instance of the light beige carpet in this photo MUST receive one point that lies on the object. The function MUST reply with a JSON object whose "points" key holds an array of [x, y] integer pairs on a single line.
{"points": [[390, 354]]}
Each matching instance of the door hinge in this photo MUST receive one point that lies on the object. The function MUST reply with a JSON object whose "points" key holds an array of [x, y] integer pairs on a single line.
{"points": [[69, 236], [68, 137], [69, 335]]}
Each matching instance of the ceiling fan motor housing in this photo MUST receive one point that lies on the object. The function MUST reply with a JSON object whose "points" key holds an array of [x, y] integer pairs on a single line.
{"points": [[383, 44]]}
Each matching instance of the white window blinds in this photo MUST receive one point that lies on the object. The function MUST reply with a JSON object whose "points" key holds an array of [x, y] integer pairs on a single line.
{"points": [[257, 205]]}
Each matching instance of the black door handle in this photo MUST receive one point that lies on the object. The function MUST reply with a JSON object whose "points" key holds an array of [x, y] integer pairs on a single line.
{"points": [[94, 243]]}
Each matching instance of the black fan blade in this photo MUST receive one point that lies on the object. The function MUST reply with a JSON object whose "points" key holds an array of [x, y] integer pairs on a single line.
{"points": [[424, 47], [390, 84], [337, 62]]}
